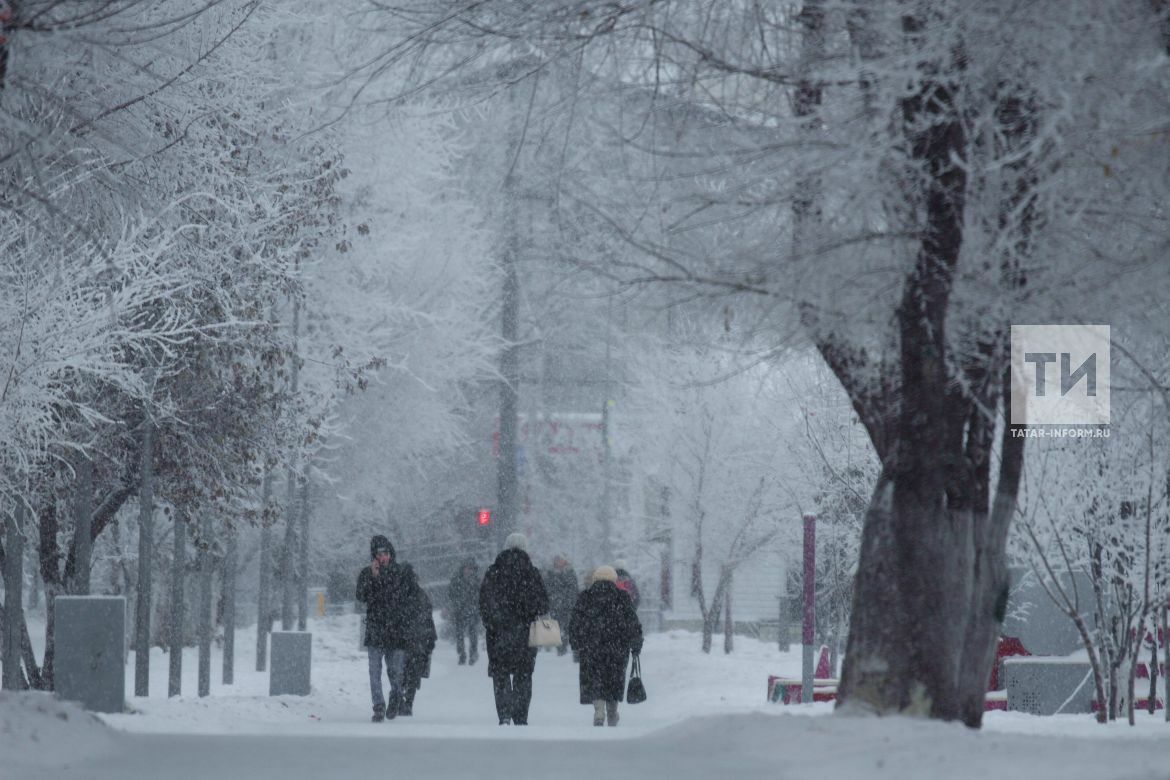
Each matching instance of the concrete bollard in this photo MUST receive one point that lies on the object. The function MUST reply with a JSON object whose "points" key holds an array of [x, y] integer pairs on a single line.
{"points": [[89, 633], [290, 662]]}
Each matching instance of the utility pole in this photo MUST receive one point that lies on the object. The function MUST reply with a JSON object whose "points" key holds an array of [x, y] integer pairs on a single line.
{"points": [[808, 621], [288, 580], [606, 455], [507, 479]]}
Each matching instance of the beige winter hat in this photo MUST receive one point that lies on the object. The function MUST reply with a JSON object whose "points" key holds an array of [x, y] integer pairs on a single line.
{"points": [[604, 574]]}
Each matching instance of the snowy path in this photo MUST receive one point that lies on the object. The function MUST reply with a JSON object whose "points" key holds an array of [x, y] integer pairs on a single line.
{"points": [[706, 717]]}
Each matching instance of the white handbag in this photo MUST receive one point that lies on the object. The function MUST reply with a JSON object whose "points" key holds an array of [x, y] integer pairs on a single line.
{"points": [[544, 632]]}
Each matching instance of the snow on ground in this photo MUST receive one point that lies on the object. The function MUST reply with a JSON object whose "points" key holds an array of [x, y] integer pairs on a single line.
{"points": [[705, 715], [39, 733]]}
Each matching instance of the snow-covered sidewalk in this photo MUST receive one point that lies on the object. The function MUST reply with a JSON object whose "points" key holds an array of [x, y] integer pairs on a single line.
{"points": [[706, 715]]}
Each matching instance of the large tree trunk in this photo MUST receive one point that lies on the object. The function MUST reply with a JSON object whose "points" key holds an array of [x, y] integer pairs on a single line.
{"points": [[32, 677], [914, 585]]}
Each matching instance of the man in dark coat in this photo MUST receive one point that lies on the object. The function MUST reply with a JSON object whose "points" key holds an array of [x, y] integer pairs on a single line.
{"points": [[387, 596], [462, 596], [511, 597], [604, 631], [420, 641], [561, 583]]}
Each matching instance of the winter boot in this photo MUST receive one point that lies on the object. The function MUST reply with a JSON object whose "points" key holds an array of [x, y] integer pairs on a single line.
{"points": [[407, 708], [611, 712], [474, 657], [463, 659], [379, 714], [599, 712]]}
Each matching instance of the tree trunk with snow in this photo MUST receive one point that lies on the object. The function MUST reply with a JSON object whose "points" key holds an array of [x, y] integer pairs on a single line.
{"points": [[302, 591], [82, 530], [204, 569], [178, 592], [13, 679], [728, 621], [264, 587], [230, 561], [143, 594], [1165, 612]]}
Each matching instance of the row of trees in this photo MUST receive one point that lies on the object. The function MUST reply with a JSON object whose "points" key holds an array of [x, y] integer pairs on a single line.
{"points": [[199, 295]]}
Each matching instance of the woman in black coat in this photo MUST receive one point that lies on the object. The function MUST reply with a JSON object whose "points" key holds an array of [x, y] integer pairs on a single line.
{"points": [[604, 631], [420, 641], [511, 597]]}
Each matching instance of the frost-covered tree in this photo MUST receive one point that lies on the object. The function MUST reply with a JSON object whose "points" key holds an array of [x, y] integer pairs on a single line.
{"points": [[898, 183]]}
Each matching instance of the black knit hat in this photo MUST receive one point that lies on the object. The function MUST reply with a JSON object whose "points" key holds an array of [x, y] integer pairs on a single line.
{"points": [[380, 542]]}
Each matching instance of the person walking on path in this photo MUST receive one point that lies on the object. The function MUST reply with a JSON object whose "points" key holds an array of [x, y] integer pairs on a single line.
{"points": [[420, 641], [382, 587], [462, 595], [626, 582], [604, 631], [511, 597], [561, 583]]}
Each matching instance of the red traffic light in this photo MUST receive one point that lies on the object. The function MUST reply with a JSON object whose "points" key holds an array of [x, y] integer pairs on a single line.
{"points": [[483, 517]]}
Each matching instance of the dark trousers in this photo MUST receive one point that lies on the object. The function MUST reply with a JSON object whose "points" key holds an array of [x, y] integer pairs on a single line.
{"points": [[513, 695], [466, 625]]}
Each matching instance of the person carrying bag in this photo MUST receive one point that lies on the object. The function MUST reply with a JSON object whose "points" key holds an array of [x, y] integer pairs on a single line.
{"points": [[604, 631]]}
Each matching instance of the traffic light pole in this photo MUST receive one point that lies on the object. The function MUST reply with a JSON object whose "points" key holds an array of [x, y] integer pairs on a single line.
{"points": [[507, 487]]}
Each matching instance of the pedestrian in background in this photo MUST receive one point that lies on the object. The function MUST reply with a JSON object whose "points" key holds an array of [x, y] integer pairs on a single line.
{"points": [[605, 632], [561, 583], [462, 605]]}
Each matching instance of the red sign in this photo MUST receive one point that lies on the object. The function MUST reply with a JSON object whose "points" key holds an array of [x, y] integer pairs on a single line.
{"points": [[484, 517]]}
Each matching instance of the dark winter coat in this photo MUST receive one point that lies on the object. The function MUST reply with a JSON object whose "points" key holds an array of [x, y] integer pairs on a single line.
{"points": [[420, 638], [626, 583], [511, 597], [604, 631], [462, 595], [562, 593], [389, 601]]}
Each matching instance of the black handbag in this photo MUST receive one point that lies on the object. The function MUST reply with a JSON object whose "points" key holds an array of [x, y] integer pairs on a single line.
{"points": [[636, 691]]}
